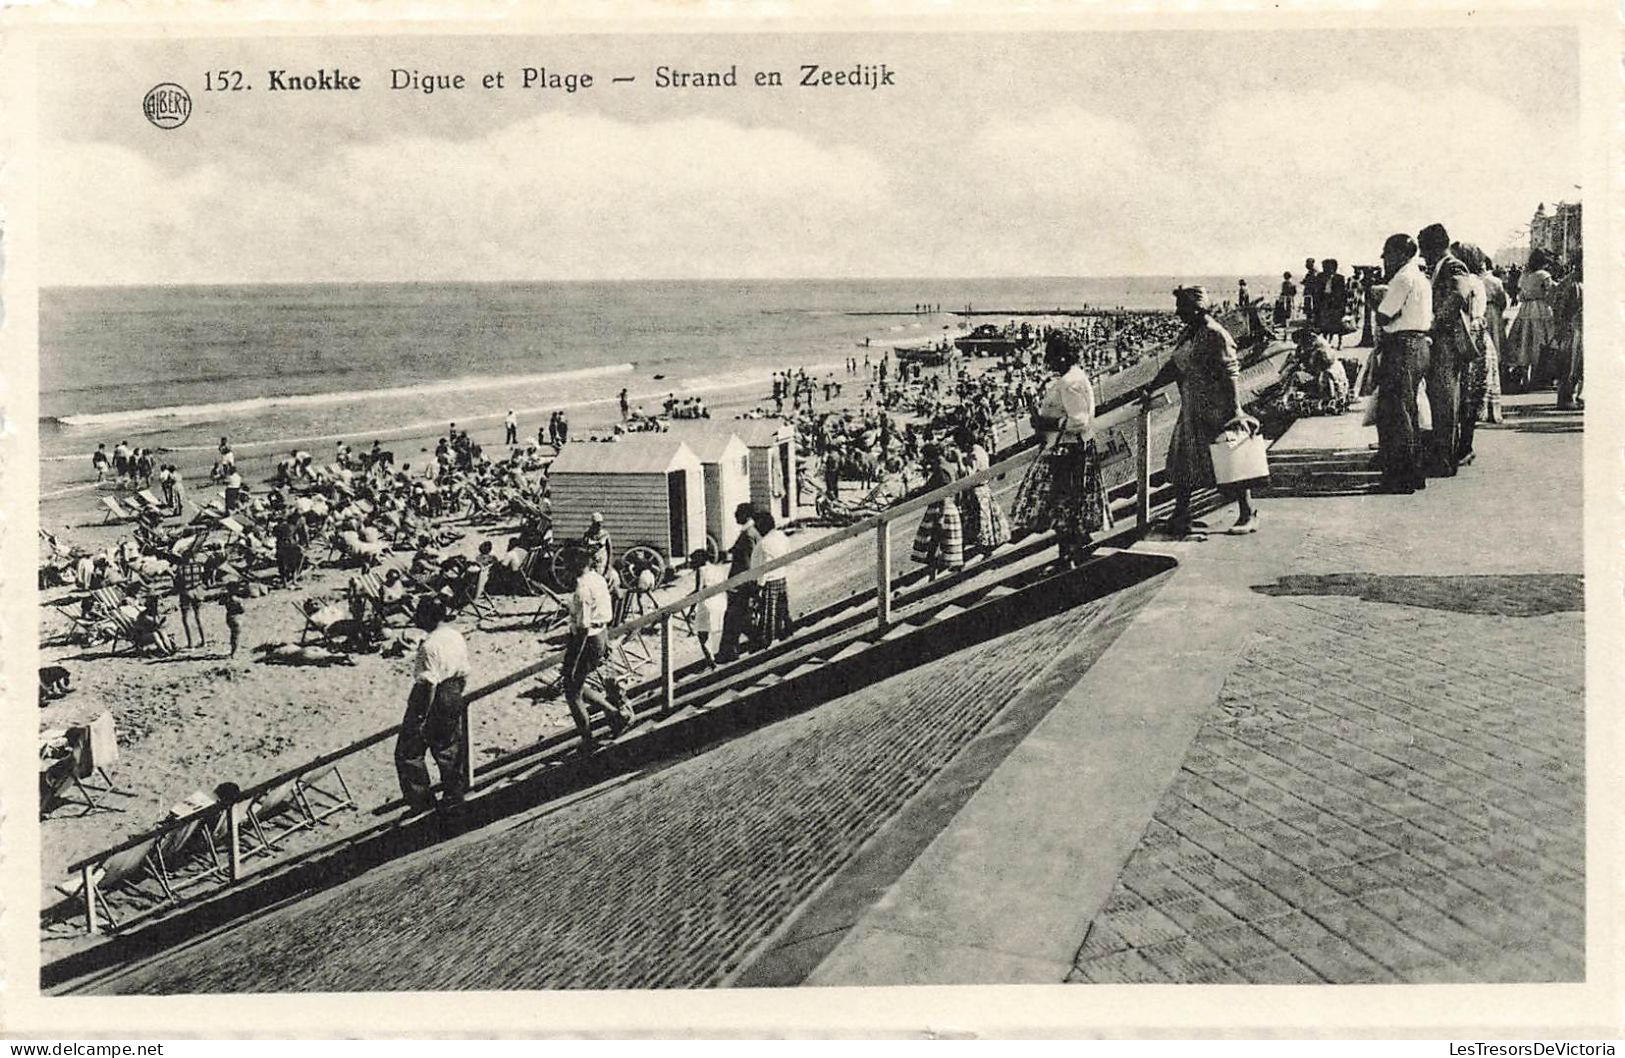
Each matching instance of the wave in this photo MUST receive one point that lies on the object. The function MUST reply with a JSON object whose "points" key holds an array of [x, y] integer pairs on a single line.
{"points": [[255, 405], [648, 399]]}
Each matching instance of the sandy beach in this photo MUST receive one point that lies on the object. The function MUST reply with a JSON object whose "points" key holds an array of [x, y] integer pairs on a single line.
{"points": [[188, 722]]}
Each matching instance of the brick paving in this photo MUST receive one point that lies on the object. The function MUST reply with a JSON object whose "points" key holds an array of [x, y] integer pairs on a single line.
{"points": [[667, 880], [1390, 787]]}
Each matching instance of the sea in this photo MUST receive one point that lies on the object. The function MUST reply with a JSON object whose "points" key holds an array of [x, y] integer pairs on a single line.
{"points": [[175, 368]]}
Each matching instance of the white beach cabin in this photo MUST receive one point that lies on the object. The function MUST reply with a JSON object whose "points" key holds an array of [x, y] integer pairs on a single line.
{"points": [[649, 487], [726, 462], [772, 447]]}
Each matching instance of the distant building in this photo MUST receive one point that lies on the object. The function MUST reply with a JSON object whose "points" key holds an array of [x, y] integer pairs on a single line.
{"points": [[1512, 255], [1557, 232]]}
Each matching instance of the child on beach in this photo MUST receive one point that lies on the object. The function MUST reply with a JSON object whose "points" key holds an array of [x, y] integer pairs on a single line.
{"points": [[232, 601]]}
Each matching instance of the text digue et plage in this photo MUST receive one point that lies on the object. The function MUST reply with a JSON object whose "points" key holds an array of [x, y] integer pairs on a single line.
{"points": [[862, 76]]}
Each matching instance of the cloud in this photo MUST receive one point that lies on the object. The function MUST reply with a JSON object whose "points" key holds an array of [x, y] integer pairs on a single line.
{"points": [[1351, 165], [1249, 183], [553, 196], [1064, 190]]}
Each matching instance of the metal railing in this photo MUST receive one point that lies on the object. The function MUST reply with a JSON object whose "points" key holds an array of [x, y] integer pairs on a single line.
{"points": [[239, 804]]}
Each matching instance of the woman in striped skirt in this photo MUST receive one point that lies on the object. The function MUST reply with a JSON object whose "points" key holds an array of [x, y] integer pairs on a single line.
{"points": [[773, 598], [1063, 489], [939, 542], [986, 528]]}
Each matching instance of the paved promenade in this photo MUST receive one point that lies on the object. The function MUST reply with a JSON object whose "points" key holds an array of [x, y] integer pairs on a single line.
{"points": [[1390, 786]]}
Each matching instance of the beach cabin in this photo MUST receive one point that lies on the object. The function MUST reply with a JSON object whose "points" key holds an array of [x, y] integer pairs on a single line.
{"points": [[726, 462], [772, 445], [649, 487]]}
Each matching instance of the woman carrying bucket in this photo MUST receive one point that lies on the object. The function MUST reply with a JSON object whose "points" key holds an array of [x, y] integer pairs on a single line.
{"points": [[1203, 362]]}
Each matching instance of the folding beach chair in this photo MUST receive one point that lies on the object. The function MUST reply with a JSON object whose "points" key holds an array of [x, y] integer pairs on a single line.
{"points": [[471, 595], [103, 603], [323, 793], [370, 585], [121, 872], [115, 511], [66, 773], [107, 600], [150, 502], [183, 854], [276, 806], [103, 749], [125, 628], [551, 609], [219, 835], [323, 619]]}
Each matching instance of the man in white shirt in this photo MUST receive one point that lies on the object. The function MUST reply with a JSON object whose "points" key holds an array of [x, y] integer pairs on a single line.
{"points": [[436, 715], [592, 610], [512, 425], [1406, 317]]}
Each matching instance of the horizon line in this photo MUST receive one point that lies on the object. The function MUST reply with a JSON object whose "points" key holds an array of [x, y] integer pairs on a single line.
{"points": [[640, 279]]}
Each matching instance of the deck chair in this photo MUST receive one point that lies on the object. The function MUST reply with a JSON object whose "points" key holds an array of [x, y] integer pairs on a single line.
{"points": [[107, 600], [183, 848], [370, 583], [219, 835], [104, 602], [103, 742], [115, 511], [150, 502], [268, 816], [122, 872], [69, 773], [323, 793], [125, 628], [551, 609], [471, 595], [324, 619]]}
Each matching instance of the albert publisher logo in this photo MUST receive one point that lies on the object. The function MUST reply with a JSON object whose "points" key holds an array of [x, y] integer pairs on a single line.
{"points": [[167, 106]]}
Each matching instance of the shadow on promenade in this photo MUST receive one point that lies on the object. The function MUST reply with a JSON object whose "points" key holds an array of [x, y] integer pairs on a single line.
{"points": [[1490, 594]]}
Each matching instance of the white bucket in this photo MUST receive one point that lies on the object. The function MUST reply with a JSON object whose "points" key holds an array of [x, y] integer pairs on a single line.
{"points": [[1240, 457]]}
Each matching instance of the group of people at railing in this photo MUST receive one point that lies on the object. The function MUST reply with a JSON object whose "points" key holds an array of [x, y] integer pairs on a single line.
{"points": [[1443, 345]]}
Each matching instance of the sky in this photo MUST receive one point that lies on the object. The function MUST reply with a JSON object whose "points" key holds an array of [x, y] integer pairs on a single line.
{"points": [[1056, 154]]}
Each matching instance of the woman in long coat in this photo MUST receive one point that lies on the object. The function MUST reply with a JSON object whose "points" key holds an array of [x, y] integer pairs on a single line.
{"points": [[1204, 364]]}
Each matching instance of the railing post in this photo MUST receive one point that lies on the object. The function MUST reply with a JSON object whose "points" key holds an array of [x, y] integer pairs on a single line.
{"points": [[88, 881], [668, 669], [883, 574], [234, 843], [1142, 496], [467, 751]]}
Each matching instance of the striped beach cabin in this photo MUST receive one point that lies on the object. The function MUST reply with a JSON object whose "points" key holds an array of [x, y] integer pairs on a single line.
{"points": [[649, 487]]}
